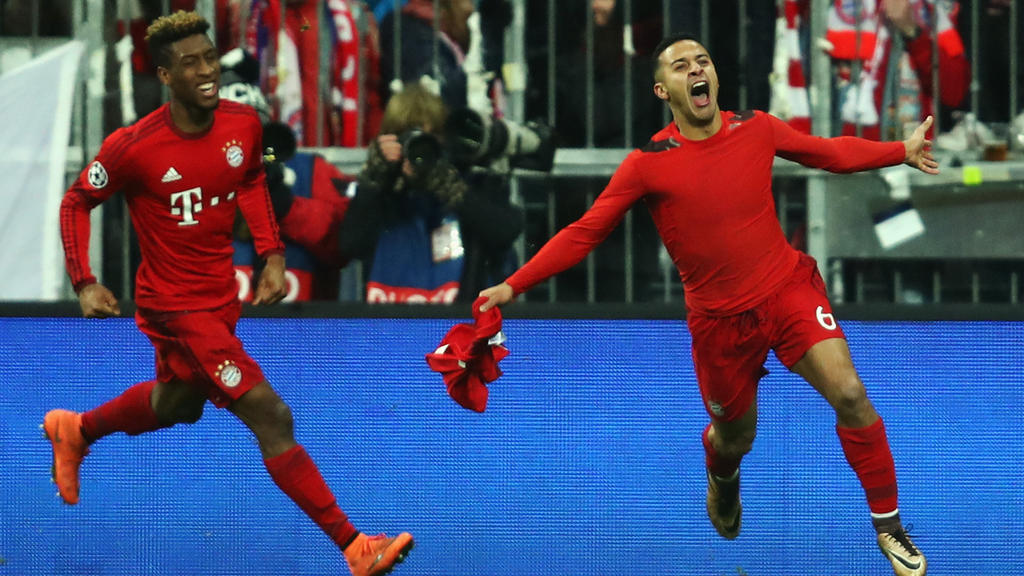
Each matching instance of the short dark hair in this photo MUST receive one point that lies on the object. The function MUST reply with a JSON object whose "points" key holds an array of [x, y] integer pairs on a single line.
{"points": [[668, 41], [167, 30]]}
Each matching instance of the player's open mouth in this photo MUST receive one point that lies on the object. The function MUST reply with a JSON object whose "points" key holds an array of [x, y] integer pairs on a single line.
{"points": [[700, 92], [208, 89]]}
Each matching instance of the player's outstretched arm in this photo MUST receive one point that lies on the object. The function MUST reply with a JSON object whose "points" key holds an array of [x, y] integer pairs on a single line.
{"points": [[496, 296], [919, 149], [98, 302]]}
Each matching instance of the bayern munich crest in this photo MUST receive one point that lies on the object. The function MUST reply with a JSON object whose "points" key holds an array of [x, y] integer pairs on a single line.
{"points": [[233, 153], [97, 175], [229, 373]]}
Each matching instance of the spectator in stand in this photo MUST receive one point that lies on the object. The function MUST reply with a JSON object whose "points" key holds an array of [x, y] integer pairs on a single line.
{"points": [[47, 17], [893, 48], [307, 193], [308, 197], [417, 48], [612, 49], [469, 56], [291, 67], [994, 71]]}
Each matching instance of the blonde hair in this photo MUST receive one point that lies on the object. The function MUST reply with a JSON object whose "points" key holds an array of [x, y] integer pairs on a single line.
{"points": [[167, 30], [414, 106]]}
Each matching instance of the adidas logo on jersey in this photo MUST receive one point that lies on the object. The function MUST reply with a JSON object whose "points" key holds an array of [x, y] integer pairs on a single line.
{"points": [[171, 175]]}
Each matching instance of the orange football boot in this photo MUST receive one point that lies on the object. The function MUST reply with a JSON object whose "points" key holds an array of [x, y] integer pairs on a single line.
{"points": [[375, 555], [64, 429]]}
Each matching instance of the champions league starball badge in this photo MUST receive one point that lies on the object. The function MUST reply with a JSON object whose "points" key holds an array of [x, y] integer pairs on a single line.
{"points": [[97, 175]]}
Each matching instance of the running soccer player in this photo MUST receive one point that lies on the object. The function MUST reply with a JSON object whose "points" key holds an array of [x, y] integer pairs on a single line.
{"points": [[706, 179], [185, 169]]}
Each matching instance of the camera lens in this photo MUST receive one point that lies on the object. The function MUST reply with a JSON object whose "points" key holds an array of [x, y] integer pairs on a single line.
{"points": [[421, 149]]}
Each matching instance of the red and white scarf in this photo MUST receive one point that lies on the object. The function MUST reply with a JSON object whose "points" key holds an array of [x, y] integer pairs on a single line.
{"points": [[789, 82], [290, 65], [344, 118], [855, 32]]}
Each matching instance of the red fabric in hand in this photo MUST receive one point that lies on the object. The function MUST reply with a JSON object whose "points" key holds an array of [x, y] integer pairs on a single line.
{"points": [[468, 357]]}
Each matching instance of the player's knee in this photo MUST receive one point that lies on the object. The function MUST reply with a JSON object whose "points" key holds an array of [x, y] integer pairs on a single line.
{"points": [[848, 395], [178, 409], [281, 417], [737, 445], [189, 414]]}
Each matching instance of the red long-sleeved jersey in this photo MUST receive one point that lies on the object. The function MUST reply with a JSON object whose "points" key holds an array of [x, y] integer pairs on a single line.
{"points": [[712, 203], [182, 191]]}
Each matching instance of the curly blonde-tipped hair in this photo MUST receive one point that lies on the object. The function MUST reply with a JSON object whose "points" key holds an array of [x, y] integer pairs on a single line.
{"points": [[167, 30]]}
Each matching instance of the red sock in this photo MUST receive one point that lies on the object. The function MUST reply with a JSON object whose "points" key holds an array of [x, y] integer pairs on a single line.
{"points": [[719, 466], [867, 451], [297, 476], [131, 413]]}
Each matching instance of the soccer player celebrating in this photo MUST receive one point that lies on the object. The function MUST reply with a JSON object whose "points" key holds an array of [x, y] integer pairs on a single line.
{"points": [[185, 169], [706, 179]]}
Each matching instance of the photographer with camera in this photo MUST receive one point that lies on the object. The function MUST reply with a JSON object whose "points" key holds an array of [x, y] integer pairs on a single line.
{"points": [[430, 227], [463, 58], [442, 234]]}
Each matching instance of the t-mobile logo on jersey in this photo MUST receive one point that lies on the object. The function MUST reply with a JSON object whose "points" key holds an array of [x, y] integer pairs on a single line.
{"points": [[186, 204]]}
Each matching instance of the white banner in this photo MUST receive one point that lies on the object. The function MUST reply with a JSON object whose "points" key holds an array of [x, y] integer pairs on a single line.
{"points": [[35, 113]]}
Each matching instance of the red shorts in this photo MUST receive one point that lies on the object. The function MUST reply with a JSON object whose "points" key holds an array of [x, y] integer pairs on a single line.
{"points": [[729, 351], [201, 348]]}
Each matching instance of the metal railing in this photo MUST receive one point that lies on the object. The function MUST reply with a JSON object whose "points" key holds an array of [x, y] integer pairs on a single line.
{"points": [[587, 165]]}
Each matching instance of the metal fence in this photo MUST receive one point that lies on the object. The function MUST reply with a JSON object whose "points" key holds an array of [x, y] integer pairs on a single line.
{"points": [[549, 43]]}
